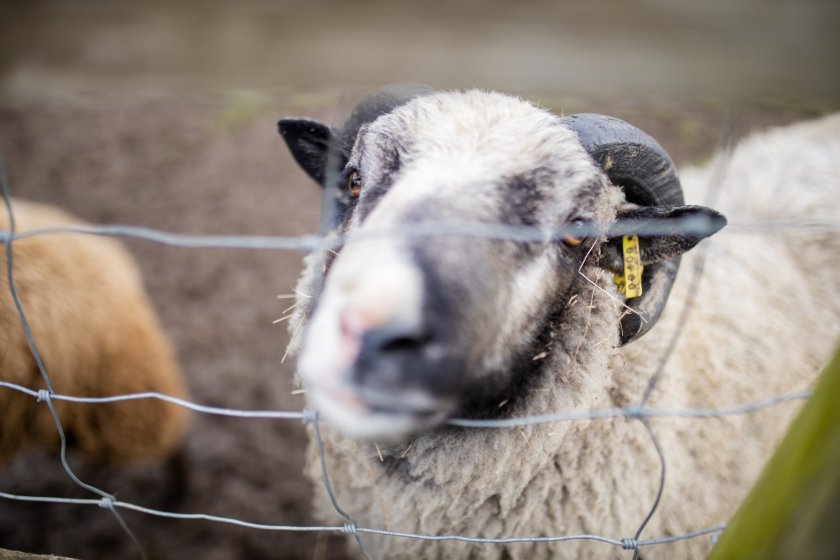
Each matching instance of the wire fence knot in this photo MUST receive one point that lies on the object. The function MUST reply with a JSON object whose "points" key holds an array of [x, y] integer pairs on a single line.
{"points": [[44, 395], [349, 529], [309, 416], [629, 544], [635, 412], [106, 502]]}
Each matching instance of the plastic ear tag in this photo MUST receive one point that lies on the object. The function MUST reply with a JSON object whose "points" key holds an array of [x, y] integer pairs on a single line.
{"points": [[633, 268]]}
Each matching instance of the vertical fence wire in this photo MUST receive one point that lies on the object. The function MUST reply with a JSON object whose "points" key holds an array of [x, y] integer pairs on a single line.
{"points": [[729, 141], [45, 395]]}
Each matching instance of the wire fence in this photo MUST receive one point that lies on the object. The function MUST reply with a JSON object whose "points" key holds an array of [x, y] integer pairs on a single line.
{"points": [[639, 412]]}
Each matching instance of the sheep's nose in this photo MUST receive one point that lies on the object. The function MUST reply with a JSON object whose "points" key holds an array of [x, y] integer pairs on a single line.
{"points": [[368, 332], [355, 324], [377, 345], [391, 356]]}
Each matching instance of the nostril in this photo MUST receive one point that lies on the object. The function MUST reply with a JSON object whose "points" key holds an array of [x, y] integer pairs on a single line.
{"points": [[404, 343], [393, 339]]}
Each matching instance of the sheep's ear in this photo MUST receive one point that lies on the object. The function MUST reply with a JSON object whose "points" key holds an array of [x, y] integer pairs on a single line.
{"points": [[664, 232], [313, 145]]}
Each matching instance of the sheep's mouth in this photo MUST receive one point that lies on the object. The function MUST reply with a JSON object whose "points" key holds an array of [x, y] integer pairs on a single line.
{"points": [[400, 408], [367, 414]]}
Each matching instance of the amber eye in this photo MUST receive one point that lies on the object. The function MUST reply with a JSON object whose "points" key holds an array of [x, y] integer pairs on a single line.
{"points": [[573, 239], [354, 184]]}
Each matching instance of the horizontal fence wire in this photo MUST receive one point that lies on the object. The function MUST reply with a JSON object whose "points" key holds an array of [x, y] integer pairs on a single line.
{"points": [[309, 416], [307, 243], [347, 528], [501, 232], [630, 412]]}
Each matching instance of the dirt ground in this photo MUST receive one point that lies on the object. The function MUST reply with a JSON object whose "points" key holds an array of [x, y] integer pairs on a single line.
{"points": [[215, 165]]}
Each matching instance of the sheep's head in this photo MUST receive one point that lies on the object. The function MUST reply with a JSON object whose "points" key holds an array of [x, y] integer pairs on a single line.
{"points": [[404, 329]]}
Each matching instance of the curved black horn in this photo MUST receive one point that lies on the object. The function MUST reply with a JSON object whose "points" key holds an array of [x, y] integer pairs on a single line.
{"points": [[640, 166]]}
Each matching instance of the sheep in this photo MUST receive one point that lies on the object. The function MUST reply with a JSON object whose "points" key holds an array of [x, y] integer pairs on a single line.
{"points": [[397, 334], [98, 336]]}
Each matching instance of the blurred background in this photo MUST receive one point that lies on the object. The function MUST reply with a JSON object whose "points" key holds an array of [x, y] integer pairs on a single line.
{"points": [[732, 47], [163, 114]]}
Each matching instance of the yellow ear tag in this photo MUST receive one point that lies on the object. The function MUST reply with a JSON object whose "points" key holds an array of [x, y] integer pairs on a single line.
{"points": [[630, 284]]}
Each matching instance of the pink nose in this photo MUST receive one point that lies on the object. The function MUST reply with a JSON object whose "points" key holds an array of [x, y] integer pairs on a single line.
{"points": [[353, 323], [364, 335]]}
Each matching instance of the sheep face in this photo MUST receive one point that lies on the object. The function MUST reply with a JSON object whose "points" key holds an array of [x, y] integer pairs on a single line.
{"points": [[410, 328]]}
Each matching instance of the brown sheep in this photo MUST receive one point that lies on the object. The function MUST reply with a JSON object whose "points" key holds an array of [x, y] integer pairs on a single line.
{"points": [[98, 336]]}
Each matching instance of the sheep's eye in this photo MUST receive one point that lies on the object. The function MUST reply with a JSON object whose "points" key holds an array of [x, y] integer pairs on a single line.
{"points": [[574, 239], [354, 184]]}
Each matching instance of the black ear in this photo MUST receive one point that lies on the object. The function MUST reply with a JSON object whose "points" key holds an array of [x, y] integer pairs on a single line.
{"points": [[664, 232], [316, 147]]}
